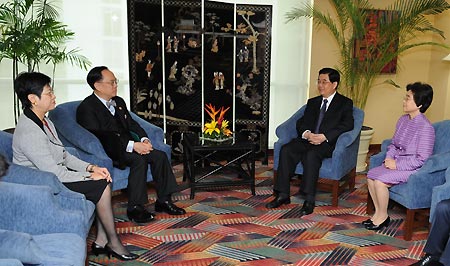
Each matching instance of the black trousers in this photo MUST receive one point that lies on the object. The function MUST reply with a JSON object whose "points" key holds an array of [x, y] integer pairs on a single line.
{"points": [[163, 176], [438, 242], [311, 156]]}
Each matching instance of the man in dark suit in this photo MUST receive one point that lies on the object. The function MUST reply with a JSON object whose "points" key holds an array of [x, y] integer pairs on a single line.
{"points": [[106, 115], [437, 249], [326, 117]]}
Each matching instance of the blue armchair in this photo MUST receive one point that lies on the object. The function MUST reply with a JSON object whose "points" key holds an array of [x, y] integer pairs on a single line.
{"points": [[89, 147], [35, 229], [416, 194], [66, 198], [341, 164], [41, 222]]}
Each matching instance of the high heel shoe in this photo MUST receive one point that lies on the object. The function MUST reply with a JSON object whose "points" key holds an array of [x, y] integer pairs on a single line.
{"points": [[97, 249], [380, 226], [130, 256], [367, 222]]}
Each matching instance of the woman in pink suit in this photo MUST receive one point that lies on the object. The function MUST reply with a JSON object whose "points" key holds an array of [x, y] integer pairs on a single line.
{"points": [[411, 145]]}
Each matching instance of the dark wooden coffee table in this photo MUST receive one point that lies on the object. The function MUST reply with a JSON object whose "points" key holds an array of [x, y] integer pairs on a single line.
{"points": [[217, 165]]}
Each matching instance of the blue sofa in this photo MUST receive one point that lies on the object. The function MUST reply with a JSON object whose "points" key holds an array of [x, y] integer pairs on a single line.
{"points": [[333, 170], [41, 222], [89, 147], [416, 194]]}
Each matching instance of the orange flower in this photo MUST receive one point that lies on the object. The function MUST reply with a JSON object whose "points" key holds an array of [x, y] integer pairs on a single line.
{"points": [[216, 129]]}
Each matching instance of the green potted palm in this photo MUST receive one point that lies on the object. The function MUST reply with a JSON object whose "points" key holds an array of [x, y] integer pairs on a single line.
{"points": [[368, 48], [31, 34]]}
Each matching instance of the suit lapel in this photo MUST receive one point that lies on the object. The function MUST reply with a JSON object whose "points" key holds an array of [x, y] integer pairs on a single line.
{"points": [[121, 113], [332, 108]]}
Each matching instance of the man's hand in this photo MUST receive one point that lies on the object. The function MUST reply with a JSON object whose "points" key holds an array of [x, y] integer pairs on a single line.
{"points": [[143, 147], [315, 139], [389, 163], [101, 173]]}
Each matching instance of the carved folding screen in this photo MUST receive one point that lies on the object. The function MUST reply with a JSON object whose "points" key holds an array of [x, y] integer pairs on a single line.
{"points": [[184, 55]]}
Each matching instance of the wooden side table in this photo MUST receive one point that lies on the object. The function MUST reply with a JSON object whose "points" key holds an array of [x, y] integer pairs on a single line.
{"points": [[214, 165]]}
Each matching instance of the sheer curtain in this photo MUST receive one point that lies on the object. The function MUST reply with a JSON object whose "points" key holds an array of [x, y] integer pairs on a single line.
{"points": [[101, 33]]}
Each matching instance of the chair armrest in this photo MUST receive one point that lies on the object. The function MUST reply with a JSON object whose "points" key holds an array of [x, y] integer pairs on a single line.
{"points": [[67, 198], [436, 162], [28, 176], [440, 193], [35, 210], [288, 129], [377, 159], [154, 133]]}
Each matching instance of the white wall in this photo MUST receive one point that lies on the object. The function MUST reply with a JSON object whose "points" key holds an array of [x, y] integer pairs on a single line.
{"points": [[100, 28]]}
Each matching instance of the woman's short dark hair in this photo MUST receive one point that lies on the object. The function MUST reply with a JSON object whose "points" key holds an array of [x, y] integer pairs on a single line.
{"points": [[28, 83], [423, 94], [95, 75], [332, 73]]}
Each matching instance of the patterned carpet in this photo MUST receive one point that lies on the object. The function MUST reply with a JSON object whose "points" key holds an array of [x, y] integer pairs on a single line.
{"points": [[231, 227]]}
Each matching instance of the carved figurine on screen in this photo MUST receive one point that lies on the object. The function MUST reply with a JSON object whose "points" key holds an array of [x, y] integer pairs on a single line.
{"points": [[216, 81], [240, 55], [215, 47], [173, 71], [188, 76], [169, 45], [221, 80], [140, 56], [149, 68], [192, 43], [175, 44], [246, 53]]}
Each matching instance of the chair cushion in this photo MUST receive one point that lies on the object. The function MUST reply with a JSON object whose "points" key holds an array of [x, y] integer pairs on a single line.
{"points": [[62, 249], [20, 246], [59, 249]]}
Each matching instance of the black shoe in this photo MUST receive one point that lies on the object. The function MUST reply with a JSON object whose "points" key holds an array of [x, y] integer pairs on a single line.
{"points": [[367, 222], [140, 215], [307, 208], [97, 249], [130, 256], [168, 207], [380, 226], [278, 201], [428, 260]]}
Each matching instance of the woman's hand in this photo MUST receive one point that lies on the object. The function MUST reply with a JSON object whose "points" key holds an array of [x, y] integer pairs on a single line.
{"points": [[390, 164], [101, 173]]}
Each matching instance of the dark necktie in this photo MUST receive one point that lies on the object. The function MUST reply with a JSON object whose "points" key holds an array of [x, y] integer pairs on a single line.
{"points": [[321, 115]]}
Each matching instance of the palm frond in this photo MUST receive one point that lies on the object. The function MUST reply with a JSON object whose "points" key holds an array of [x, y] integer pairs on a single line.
{"points": [[395, 34]]}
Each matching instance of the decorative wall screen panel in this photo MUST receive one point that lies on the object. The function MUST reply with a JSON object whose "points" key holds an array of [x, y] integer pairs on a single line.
{"points": [[185, 54]]}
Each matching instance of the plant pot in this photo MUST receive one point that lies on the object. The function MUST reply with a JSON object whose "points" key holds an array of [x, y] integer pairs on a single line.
{"points": [[221, 141], [364, 142]]}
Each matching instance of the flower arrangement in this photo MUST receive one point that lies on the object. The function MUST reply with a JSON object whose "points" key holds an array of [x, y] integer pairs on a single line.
{"points": [[216, 129]]}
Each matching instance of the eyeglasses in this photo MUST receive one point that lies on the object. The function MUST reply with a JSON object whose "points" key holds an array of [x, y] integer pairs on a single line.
{"points": [[49, 93], [322, 82], [408, 98], [112, 82]]}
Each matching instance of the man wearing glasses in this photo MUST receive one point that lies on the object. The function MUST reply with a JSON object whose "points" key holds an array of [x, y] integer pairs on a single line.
{"points": [[326, 117], [106, 115]]}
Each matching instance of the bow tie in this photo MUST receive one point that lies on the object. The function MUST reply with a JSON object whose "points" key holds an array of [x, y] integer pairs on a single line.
{"points": [[110, 103]]}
